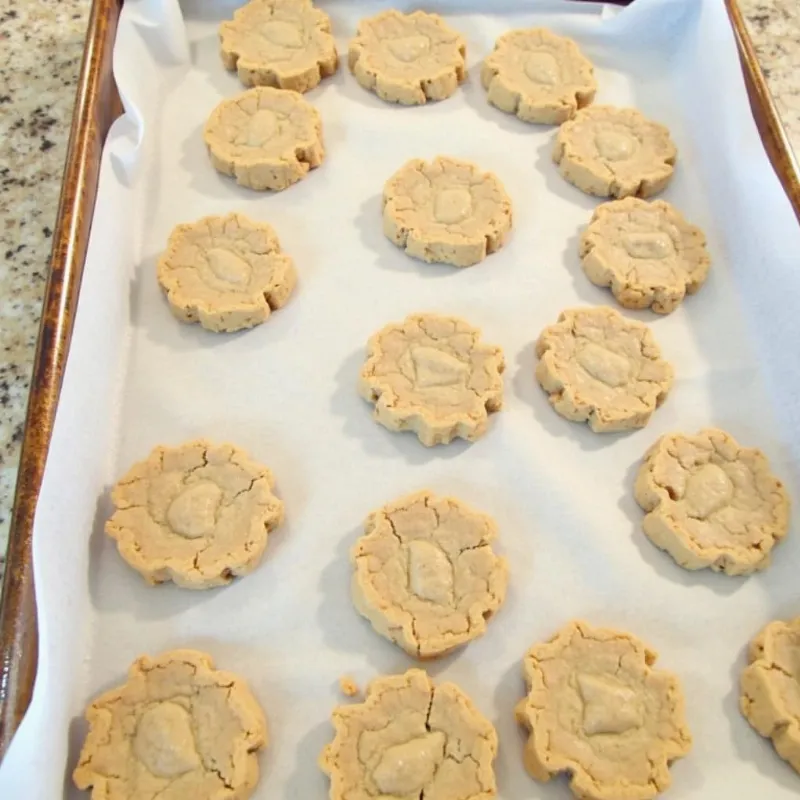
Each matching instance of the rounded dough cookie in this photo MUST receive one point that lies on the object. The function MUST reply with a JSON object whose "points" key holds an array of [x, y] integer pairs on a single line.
{"points": [[648, 254], [265, 138], [712, 503], [227, 273], [615, 152], [408, 58], [597, 710], [425, 573], [539, 76], [411, 739], [446, 211], [177, 728], [198, 514], [431, 375], [282, 43]]}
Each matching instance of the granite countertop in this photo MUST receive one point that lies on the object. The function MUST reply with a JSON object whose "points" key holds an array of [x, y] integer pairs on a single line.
{"points": [[42, 45]]}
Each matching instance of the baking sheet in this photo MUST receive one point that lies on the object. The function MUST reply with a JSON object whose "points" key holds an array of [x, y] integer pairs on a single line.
{"points": [[286, 391]]}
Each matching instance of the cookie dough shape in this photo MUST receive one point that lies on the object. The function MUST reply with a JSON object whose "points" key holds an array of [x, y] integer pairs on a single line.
{"points": [[410, 739], [648, 254], [712, 503], [431, 374], [770, 686], [539, 76], [198, 514], [408, 58], [227, 273], [265, 138], [597, 710], [601, 368], [446, 211], [615, 152], [282, 43], [177, 728], [425, 573]]}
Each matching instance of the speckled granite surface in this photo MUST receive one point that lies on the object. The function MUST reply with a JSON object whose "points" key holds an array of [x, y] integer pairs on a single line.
{"points": [[41, 46]]}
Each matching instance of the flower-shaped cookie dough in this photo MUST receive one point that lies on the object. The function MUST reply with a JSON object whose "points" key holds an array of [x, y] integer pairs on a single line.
{"points": [[615, 152], [411, 739], [265, 138], [198, 514], [446, 211], [432, 375], [601, 368], [408, 58], [712, 503], [770, 686], [227, 273], [646, 252], [177, 728], [425, 573], [538, 76], [281, 43], [597, 710]]}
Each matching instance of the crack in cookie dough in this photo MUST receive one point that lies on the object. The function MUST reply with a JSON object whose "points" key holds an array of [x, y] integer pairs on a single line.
{"points": [[712, 503], [265, 138], [615, 152], [282, 43], [538, 76], [177, 728], [597, 710], [198, 514], [601, 368], [227, 273], [446, 211], [425, 573], [431, 375], [411, 740], [408, 58]]}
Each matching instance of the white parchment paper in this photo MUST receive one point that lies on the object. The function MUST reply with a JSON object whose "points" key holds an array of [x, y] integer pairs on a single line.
{"points": [[286, 391]]}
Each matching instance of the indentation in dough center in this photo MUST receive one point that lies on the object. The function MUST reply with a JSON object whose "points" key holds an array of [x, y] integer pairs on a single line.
{"points": [[542, 68], [260, 128], [607, 367], [434, 368], [615, 145], [407, 768], [282, 33], [164, 742], [655, 244], [228, 266], [193, 513], [430, 574], [452, 205], [409, 48], [708, 490], [609, 705]]}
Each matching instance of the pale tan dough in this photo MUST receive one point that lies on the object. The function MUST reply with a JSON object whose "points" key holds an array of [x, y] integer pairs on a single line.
{"points": [[712, 503], [197, 514], [410, 740], [431, 374], [348, 687], [770, 686], [282, 43], [602, 368], [446, 211], [177, 729], [227, 273], [265, 138], [425, 573], [648, 254], [539, 76], [598, 711], [408, 58], [615, 152]]}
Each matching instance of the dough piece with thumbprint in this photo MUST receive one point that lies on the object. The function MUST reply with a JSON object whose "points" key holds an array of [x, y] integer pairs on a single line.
{"points": [[432, 375], [408, 58], [265, 138], [282, 43], [177, 728], [198, 514], [602, 368], [539, 76], [227, 273], [446, 211], [597, 710], [411, 739], [615, 152], [712, 503], [426, 576]]}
